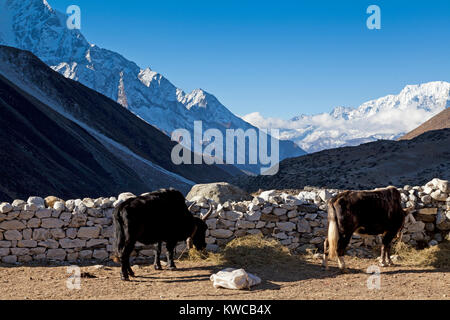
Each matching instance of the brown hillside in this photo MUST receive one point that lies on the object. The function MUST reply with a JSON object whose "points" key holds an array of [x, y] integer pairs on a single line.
{"points": [[439, 121]]}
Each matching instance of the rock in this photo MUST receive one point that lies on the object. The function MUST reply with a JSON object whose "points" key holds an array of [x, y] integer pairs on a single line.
{"points": [[443, 220], [59, 206], [427, 214], [269, 217], [257, 201], [442, 185], [89, 203], [51, 223], [303, 226], [72, 243], [33, 223], [233, 215], [12, 225], [26, 215], [124, 196], [325, 195], [285, 226], [253, 215], [88, 232], [4, 252], [438, 195], [85, 254], [243, 224], [219, 192], [267, 210], [281, 236], [51, 200], [433, 243], [279, 211], [316, 240], [100, 254], [426, 199], [212, 247], [57, 233], [56, 254], [307, 248], [41, 234], [5, 244], [267, 195], [418, 226], [96, 242], [18, 204], [37, 201], [310, 216], [221, 233], [27, 243], [49, 243], [307, 208], [5, 208], [78, 220], [9, 259]]}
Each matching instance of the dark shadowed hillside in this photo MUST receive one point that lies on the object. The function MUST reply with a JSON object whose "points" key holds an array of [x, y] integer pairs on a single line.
{"points": [[61, 138], [366, 166]]}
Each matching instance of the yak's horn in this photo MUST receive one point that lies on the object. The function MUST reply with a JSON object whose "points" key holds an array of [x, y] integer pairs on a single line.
{"points": [[206, 216]]}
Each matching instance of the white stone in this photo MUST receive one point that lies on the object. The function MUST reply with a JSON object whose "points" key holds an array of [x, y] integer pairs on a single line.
{"points": [[267, 195], [37, 201], [5, 208], [438, 195], [325, 195], [126, 195], [59, 206]]}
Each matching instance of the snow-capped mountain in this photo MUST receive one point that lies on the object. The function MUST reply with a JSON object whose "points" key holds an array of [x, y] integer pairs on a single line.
{"points": [[388, 118], [34, 26]]}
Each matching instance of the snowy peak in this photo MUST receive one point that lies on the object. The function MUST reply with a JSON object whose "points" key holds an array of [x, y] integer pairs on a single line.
{"points": [[388, 117]]}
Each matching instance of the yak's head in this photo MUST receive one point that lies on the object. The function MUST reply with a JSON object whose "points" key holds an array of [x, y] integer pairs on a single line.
{"points": [[198, 235]]}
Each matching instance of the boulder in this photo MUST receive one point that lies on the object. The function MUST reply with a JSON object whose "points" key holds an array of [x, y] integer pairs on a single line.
{"points": [[51, 200], [219, 192], [37, 201], [5, 207]]}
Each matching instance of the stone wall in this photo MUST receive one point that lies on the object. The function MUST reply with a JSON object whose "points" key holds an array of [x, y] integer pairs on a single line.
{"points": [[74, 230]]}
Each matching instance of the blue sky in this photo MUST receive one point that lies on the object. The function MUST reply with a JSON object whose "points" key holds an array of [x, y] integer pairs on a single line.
{"points": [[280, 58]]}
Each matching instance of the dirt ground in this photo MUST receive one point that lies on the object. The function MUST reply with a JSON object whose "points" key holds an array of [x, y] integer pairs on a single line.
{"points": [[307, 280]]}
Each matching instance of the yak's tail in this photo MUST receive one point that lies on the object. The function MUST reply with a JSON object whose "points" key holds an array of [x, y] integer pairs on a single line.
{"points": [[333, 233], [119, 234]]}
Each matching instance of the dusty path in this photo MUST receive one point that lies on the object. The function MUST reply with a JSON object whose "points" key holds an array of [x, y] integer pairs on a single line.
{"points": [[191, 281]]}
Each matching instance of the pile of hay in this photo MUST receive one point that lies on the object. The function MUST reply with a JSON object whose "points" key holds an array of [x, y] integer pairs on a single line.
{"points": [[252, 250], [435, 256]]}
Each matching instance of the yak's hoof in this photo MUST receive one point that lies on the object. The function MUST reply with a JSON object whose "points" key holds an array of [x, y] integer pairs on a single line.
{"points": [[172, 267], [383, 264], [157, 267], [131, 273], [124, 278]]}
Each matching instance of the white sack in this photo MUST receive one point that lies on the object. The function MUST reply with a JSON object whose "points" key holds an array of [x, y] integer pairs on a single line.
{"points": [[232, 278]]}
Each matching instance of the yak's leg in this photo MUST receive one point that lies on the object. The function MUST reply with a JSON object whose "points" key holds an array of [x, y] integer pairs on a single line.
{"points": [[170, 246], [342, 244], [325, 255], [157, 262], [387, 241], [125, 260]]}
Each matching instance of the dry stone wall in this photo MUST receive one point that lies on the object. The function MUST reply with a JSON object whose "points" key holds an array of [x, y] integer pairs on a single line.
{"points": [[76, 230]]}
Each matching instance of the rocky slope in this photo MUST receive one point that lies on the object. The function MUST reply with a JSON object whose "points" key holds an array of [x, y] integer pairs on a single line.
{"points": [[59, 137], [439, 121], [366, 166]]}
